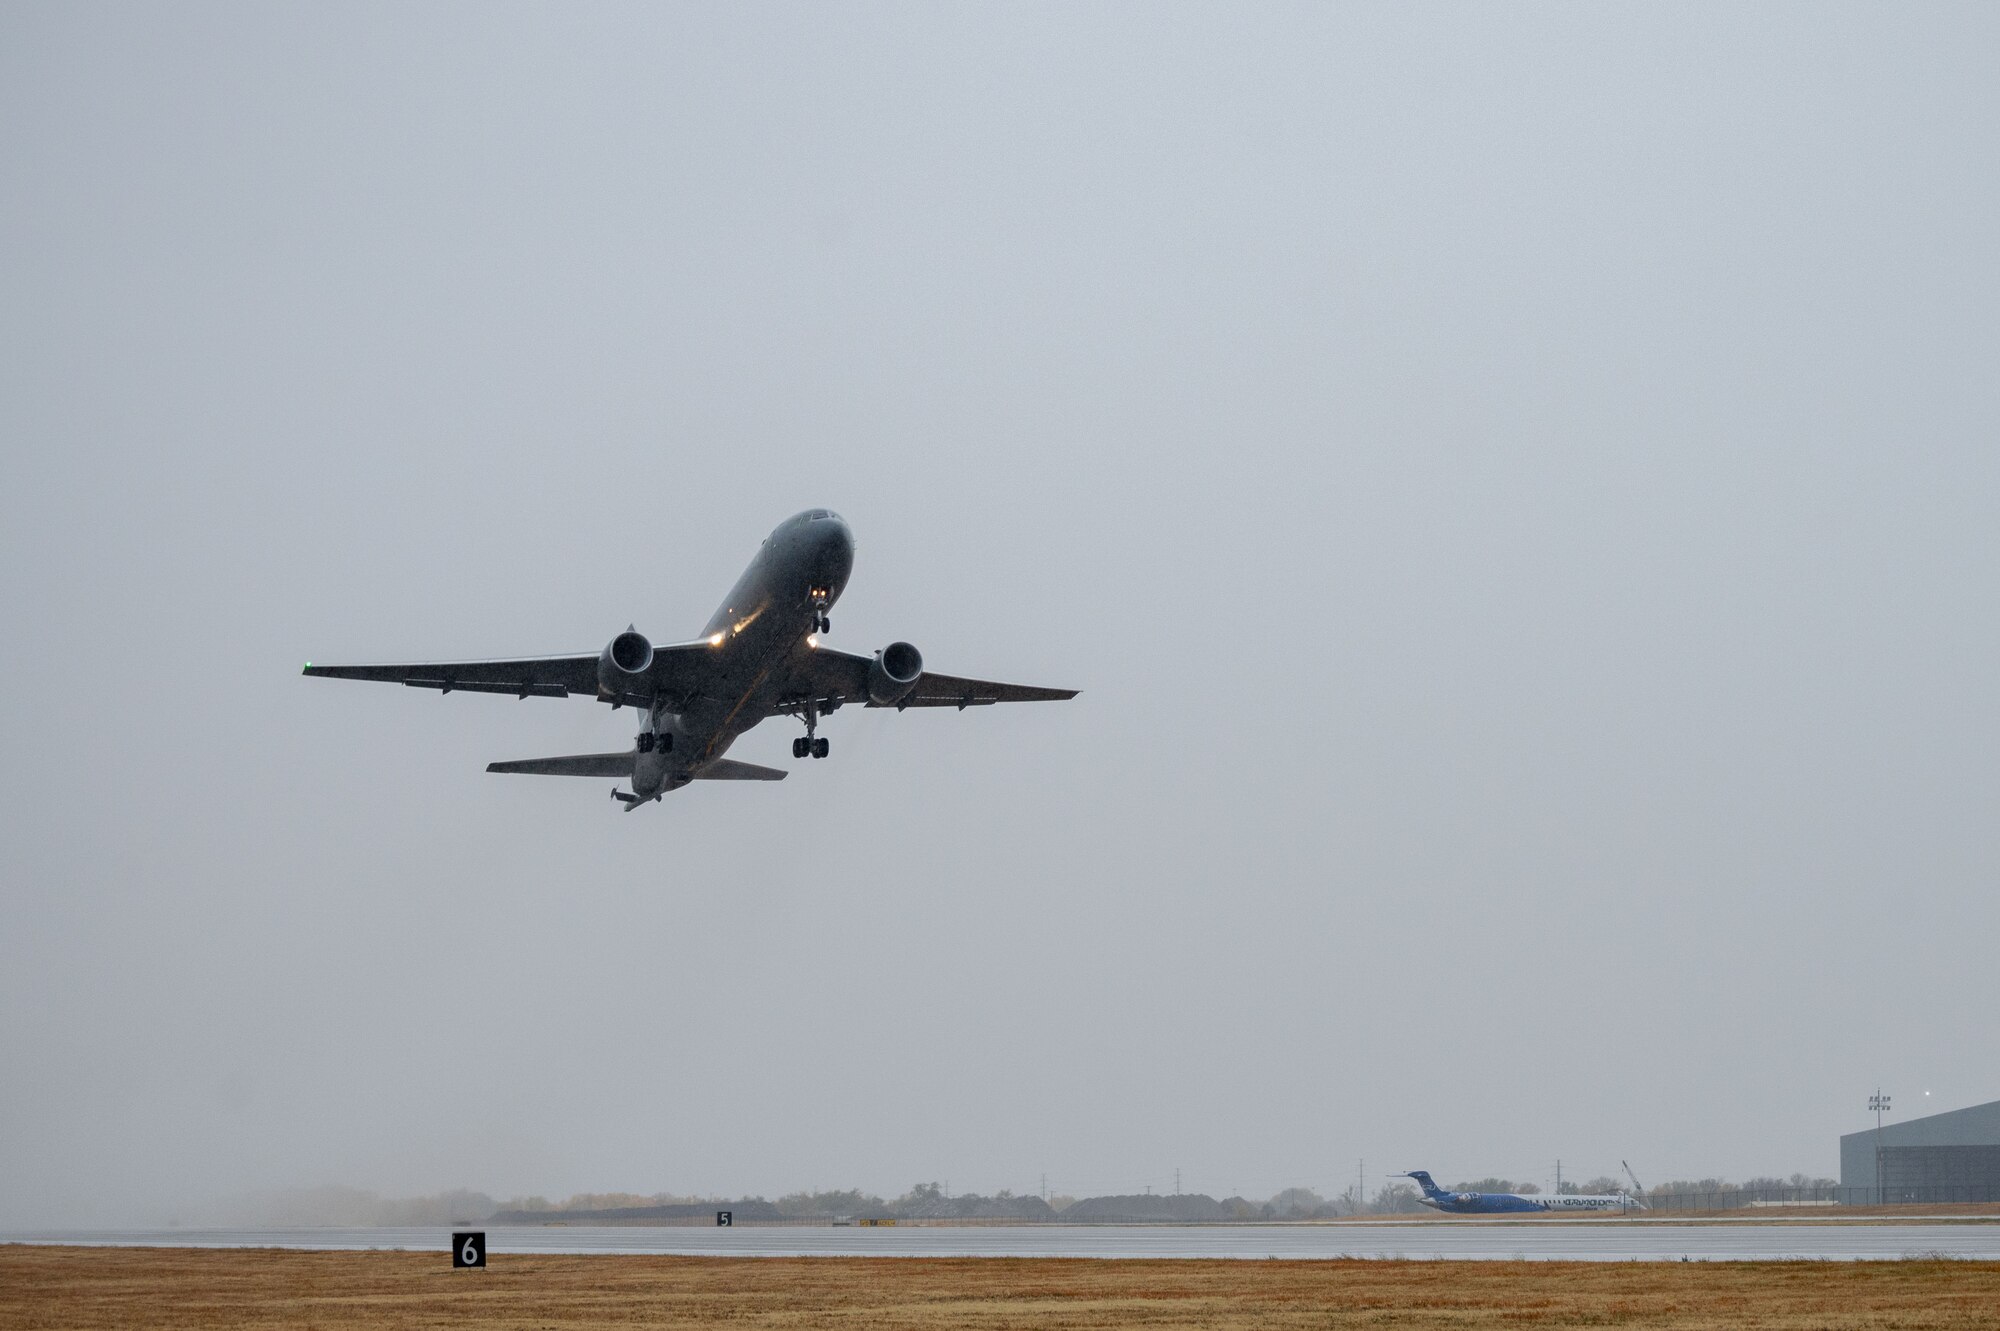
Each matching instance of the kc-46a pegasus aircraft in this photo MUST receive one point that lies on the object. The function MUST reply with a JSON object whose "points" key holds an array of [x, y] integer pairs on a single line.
{"points": [[1499, 1203], [759, 656]]}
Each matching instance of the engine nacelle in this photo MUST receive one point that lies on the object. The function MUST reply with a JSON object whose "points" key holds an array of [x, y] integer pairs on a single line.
{"points": [[623, 667], [894, 673]]}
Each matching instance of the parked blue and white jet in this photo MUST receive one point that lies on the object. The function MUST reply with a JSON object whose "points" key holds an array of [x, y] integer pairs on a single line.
{"points": [[1500, 1203]]}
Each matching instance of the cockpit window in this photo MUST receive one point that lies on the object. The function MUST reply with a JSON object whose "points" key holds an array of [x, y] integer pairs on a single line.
{"points": [[818, 515]]}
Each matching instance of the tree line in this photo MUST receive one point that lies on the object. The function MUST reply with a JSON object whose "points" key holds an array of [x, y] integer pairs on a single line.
{"points": [[927, 1200]]}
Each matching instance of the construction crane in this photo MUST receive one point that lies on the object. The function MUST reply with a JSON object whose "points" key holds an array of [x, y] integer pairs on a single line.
{"points": [[1638, 1188]]}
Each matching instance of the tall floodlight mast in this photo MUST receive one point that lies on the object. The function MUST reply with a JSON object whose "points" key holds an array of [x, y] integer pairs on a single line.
{"points": [[1880, 1104]]}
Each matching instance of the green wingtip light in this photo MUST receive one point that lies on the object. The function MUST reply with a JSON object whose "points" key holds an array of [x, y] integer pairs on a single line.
{"points": [[309, 665]]}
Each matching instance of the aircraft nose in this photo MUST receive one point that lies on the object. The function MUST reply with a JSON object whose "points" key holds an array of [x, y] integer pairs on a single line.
{"points": [[836, 544]]}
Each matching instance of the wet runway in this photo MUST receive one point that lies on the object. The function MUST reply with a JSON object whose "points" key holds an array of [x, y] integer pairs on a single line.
{"points": [[1621, 1240]]}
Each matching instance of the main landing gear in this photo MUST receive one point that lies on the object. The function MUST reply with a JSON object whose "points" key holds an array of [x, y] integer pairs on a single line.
{"points": [[663, 741], [806, 746]]}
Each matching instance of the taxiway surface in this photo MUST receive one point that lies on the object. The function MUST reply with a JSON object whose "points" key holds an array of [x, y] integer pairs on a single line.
{"points": [[1529, 1240]]}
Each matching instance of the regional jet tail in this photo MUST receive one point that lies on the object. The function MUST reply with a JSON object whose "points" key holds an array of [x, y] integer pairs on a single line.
{"points": [[760, 655], [1501, 1203]]}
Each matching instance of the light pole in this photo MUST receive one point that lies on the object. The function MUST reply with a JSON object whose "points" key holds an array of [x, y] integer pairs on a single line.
{"points": [[1880, 1104]]}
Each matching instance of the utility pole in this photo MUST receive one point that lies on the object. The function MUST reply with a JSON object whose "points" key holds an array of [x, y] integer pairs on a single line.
{"points": [[1880, 1104], [1559, 1178], [1045, 1185], [1177, 1181], [1360, 1185]]}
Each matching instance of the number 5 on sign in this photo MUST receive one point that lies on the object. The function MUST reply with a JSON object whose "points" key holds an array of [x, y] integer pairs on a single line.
{"points": [[468, 1248]]}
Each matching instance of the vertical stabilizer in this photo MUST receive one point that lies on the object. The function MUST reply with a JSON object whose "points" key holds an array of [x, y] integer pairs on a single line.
{"points": [[1424, 1181]]}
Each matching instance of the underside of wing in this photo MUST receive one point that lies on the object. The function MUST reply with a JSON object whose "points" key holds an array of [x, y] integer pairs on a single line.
{"points": [[575, 764], [842, 677]]}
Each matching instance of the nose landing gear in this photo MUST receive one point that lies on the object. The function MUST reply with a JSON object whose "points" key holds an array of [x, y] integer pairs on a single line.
{"points": [[821, 603], [662, 740]]}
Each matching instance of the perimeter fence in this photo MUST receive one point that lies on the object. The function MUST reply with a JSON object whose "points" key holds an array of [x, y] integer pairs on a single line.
{"points": [[1732, 1199]]}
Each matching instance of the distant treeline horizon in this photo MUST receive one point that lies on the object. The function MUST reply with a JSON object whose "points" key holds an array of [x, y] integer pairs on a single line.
{"points": [[343, 1206]]}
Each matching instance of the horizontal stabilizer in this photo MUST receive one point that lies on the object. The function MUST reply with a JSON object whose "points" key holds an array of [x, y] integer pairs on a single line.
{"points": [[728, 769], [576, 764]]}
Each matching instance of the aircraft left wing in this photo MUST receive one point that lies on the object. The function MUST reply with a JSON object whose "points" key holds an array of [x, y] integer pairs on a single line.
{"points": [[842, 677], [524, 676], [677, 674]]}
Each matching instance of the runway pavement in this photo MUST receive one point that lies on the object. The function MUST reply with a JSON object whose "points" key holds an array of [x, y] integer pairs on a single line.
{"points": [[1529, 1240]]}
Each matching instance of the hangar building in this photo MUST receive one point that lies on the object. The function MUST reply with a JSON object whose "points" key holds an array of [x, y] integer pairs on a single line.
{"points": [[1950, 1157]]}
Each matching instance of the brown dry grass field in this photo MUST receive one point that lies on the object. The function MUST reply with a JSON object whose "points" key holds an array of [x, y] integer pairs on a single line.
{"points": [[168, 1288]]}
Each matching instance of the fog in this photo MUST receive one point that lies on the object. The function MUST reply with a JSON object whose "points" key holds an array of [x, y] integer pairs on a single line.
{"points": [[1515, 486]]}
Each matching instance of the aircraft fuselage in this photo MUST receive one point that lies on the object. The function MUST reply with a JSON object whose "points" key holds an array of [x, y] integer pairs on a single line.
{"points": [[758, 632]]}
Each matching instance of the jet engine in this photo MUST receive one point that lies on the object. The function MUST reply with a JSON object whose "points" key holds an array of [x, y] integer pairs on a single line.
{"points": [[623, 667], [894, 673]]}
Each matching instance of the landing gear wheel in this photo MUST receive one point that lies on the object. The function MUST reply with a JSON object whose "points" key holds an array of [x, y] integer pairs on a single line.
{"points": [[665, 743], [820, 747], [799, 746], [826, 623], [646, 742]]}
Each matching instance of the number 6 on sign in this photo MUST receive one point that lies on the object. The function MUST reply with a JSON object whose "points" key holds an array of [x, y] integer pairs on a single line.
{"points": [[468, 1248]]}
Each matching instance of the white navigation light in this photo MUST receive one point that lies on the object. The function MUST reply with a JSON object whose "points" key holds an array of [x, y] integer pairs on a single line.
{"points": [[715, 639], [812, 640]]}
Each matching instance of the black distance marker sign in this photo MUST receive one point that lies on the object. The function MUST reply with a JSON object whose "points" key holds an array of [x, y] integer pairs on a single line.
{"points": [[468, 1248], [725, 1218]]}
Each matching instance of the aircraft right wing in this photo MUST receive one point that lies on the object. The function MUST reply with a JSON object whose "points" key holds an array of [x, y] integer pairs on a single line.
{"points": [[935, 690], [840, 676]]}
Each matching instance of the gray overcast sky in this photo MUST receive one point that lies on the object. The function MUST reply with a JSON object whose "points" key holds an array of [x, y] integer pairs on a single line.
{"points": [[1515, 485]]}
